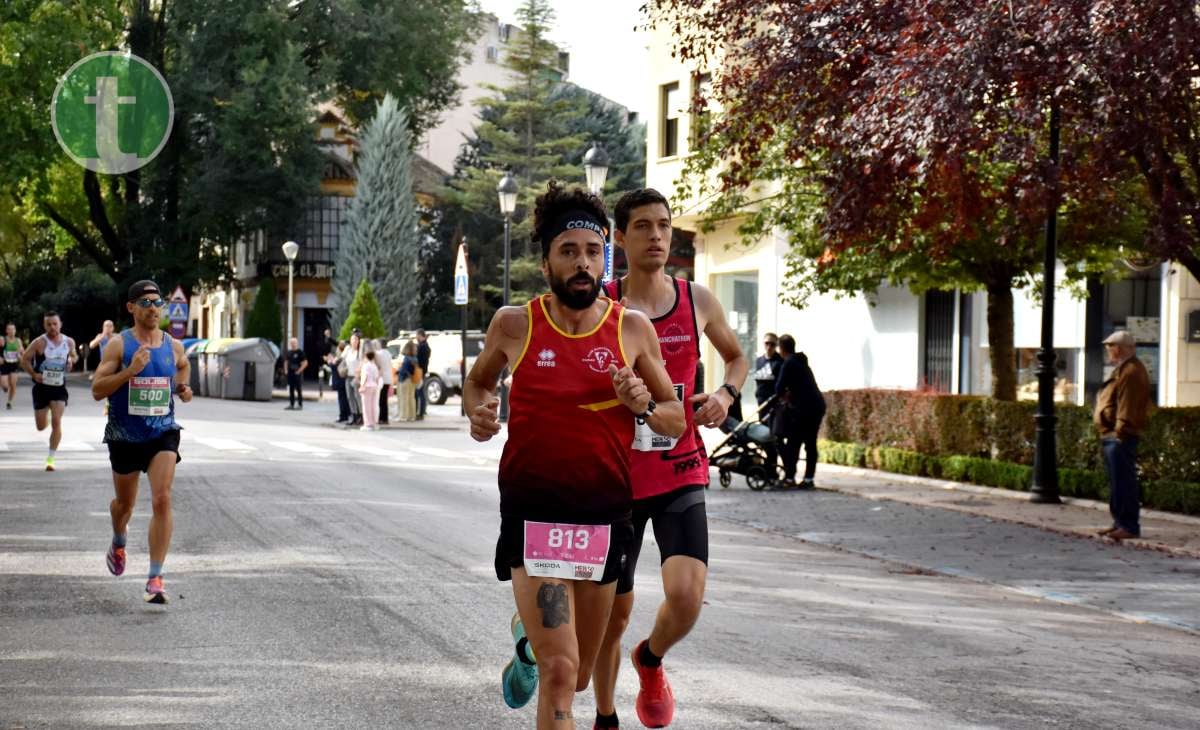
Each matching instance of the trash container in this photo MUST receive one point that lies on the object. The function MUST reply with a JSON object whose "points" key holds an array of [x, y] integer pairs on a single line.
{"points": [[212, 363], [193, 351], [248, 369]]}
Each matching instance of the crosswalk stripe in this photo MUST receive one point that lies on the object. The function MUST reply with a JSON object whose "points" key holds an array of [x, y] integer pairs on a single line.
{"points": [[434, 451], [75, 446], [301, 448], [225, 444], [377, 451], [3, 446]]}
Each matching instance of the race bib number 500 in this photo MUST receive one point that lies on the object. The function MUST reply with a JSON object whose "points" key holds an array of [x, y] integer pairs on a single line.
{"points": [[149, 396], [570, 552]]}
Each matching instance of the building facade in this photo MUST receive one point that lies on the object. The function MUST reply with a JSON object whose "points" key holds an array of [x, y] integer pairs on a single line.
{"points": [[893, 338]]}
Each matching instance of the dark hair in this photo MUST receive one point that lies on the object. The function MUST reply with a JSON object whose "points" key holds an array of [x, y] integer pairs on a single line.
{"points": [[636, 199], [420, 332], [370, 354], [787, 344], [50, 314], [556, 201]]}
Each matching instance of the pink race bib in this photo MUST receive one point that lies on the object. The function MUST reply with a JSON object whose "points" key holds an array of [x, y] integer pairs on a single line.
{"points": [[570, 552]]}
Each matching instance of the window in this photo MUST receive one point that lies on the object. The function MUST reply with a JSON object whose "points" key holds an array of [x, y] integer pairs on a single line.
{"points": [[670, 108], [504, 30], [701, 106], [493, 54], [322, 228]]}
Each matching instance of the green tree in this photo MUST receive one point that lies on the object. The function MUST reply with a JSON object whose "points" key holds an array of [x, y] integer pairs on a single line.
{"points": [[264, 319], [245, 80], [382, 240], [364, 314]]}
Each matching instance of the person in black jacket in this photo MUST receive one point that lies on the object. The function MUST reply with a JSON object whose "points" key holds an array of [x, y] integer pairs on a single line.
{"points": [[798, 414], [423, 354], [766, 369]]}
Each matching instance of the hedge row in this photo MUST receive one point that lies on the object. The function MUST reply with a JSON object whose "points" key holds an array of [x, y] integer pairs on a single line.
{"points": [[954, 425], [1170, 496]]}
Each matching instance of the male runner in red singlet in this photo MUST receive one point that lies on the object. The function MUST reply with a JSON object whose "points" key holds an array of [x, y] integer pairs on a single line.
{"points": [[583, 367], [669, 475]]}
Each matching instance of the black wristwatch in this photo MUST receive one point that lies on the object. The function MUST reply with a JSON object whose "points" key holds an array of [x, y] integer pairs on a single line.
{"points": [[732, 391], [649, 409]]}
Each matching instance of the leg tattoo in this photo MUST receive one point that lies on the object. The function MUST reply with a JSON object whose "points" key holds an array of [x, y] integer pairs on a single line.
{"points": [[552, 599], [563, 715]]}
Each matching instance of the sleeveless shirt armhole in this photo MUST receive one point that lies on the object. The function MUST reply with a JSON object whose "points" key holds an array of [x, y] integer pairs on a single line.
{"points": [[528, 334], [621, 337], [695, 322]]}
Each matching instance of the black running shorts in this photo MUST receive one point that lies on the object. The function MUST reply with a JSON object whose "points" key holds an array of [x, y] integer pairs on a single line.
{"points": [[43, 394], [8, 367], [510, 548], [129, 457], [680, 528]]}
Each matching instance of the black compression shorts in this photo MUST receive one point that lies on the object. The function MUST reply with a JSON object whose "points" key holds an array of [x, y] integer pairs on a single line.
{"points": [[680, 528]]}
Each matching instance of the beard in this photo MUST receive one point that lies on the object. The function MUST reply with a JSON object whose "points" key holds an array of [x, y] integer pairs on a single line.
{"points": [[575, 298]]}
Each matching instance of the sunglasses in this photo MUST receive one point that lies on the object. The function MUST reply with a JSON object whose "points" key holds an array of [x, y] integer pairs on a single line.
{"points": [[146, 303]]}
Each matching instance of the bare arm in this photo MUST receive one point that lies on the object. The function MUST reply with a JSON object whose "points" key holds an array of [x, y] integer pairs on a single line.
{"points": [[72, 355], [27, 360], [183, 372], [715, 406], [642, 347], [502, 345], [110, 376]]}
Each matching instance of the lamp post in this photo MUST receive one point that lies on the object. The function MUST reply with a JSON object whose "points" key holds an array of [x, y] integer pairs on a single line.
{"points": [[1045, 458], [290, 249], [506, 191], [595, 169]]}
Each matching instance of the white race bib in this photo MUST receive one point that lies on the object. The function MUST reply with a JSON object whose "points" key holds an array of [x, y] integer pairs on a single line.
{"points": [[647, 439], [53, 373], [10, 356]]}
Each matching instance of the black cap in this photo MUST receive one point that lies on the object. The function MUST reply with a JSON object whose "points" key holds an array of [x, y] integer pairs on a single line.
{"points": [[143, 287]]}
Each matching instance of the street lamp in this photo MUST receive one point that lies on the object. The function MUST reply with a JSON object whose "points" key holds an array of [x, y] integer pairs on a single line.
{"points": [[290, 249], [595, 169], [506, 191], [1045, 457]]}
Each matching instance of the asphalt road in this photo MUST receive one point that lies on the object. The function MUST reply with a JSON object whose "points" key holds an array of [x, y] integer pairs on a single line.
{"points": [[330, 578]]}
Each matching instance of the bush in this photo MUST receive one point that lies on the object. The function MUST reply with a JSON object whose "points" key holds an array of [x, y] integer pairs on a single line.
{"points": [[264, 319], [364, 314]]}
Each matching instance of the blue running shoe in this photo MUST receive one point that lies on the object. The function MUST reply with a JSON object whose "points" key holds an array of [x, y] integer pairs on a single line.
{"points": [[519, 679]]}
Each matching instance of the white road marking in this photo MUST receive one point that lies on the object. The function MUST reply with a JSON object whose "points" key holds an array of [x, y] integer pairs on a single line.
{"points": [[301, 448], [435, 451], [377, 451], [225, 444], [3, 446], [75, 446]]}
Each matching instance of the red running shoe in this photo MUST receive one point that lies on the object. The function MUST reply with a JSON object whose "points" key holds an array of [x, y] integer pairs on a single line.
{"points": [[115, 559], [154, 590], [655, 700]]}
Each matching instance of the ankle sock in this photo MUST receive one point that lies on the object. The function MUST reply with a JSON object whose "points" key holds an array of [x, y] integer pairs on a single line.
{"points": [[119, 539], [607, 721], [524, 652], [155, 569], [648, 658], [51, 453]]}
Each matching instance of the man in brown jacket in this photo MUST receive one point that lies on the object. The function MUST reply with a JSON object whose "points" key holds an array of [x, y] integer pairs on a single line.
{"points": [[1122, 409]]}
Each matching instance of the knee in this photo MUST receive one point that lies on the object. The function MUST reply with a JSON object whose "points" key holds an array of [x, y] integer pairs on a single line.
{"points": [[122, 507], [618, 619], [161, 504], [558, 672], [685, 600]]}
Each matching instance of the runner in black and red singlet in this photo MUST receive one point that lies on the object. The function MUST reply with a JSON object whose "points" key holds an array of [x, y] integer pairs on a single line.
{"points": [[582, 369], [669, 475]]}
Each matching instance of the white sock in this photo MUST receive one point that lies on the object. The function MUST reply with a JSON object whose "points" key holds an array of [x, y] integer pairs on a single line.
{"points": [[51, 453]]}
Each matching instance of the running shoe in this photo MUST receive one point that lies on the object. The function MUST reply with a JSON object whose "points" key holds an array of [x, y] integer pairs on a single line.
{"points": [[518, 679], [655, 700], [8, 406], [49, 463], [115, 559], [155, 593]]}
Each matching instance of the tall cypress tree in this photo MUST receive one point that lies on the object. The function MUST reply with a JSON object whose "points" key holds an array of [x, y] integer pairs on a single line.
{"points": [[381, 242], [264, 319]]}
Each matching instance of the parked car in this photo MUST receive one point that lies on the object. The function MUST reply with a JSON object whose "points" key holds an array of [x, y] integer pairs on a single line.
{"points": [[444, 378]]}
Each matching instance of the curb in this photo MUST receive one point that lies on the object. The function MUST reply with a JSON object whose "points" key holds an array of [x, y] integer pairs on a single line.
{"points": [[949, 486]]}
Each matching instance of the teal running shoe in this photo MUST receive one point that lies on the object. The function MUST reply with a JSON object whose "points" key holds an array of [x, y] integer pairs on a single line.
{"points": [[519, 679]]}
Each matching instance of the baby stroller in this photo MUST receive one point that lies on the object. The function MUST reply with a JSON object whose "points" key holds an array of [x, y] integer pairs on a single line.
{"points": [[742, 451]]}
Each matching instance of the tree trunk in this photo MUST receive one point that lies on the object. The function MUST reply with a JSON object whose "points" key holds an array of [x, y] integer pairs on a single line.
{"points": [[1000, 341]]}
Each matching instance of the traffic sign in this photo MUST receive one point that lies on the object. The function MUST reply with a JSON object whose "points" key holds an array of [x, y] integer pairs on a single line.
{"points": [[177, 311], [178, 295], [460, 275]]}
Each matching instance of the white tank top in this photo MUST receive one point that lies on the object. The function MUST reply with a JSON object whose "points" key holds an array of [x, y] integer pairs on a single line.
{"points": [[58, 351]]}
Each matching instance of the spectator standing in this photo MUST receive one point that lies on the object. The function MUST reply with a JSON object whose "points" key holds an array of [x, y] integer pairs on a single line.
{"points": [[766, 373], [424, 352], [99, 342], [337, 380], [296, 362], [369, 383], [798, 414], [407, 375], [352, 356], [387, 375], [1122, 409]]}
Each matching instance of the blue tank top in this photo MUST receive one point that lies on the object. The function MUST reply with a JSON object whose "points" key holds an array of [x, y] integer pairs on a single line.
{"points": [[144, 408]]}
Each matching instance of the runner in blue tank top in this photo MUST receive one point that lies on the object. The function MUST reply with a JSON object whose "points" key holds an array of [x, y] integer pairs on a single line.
{"points": [[140, 372]]}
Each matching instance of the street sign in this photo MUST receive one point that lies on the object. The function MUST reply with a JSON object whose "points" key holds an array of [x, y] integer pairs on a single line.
{"points": [[460, 275], [179, 330], [178, 295], [177, 312]]}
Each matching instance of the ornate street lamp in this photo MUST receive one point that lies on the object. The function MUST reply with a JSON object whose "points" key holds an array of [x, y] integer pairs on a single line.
{"points": [[595, 169], [290, 249]]}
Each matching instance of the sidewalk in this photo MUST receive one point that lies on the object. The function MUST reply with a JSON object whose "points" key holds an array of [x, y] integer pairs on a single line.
{"points": [[1161, 531]]}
